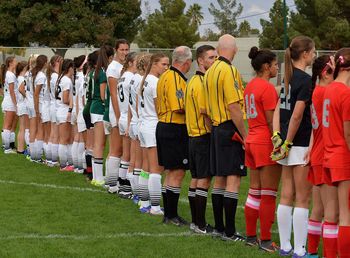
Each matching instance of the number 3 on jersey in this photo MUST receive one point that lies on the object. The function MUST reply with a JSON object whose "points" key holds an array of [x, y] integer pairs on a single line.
{"points": [[250, 106], [314, 120], [121, 93]]}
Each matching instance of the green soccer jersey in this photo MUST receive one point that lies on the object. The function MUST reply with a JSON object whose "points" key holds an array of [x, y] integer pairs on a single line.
{"points": [[88, 94], [97, 105], [106, 114]]}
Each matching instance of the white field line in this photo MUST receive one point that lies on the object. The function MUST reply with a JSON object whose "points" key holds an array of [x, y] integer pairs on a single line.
{"points": [[74, 188]]}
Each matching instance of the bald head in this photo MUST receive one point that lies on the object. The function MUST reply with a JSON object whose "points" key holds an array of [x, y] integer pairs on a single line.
{"points": [[227, 46]]}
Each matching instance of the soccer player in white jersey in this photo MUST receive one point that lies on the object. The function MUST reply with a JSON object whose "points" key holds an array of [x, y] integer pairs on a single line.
{"points": [[9, 102], [39, 86], [147, 134], [22, 112], [115, 141], [52, 76]]}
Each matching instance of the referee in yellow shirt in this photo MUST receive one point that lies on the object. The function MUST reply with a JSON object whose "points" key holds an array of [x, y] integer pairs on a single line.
{"points": [[198, 128], [224, 105], [171, 133]]}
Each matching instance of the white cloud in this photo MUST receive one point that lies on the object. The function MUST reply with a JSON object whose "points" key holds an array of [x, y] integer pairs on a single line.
{"points": [[255, 9]]}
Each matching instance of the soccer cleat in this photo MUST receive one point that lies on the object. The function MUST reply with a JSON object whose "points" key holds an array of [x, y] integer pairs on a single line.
{"points": [[135, 199], [66, 169], [80, 171], [26, 152], [99, 183], [299, 256], [217, 234], [156, 212], [204, 231], [178, 221], [70, 168], [268, 246], [113, 189], [165, 220], [192, 226], [145, 210], [252, 241], [125, 195], [286, 253], [235, 238], [10, 151]]}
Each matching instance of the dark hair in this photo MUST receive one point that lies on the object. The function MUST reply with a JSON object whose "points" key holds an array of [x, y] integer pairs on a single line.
{"points": [[50, 68], [318, 66], [129, 58], [154, 59], [260, 57], [39, 65], [20, 67], [121, 42], [92, 59], [297, 47], [66, 65], [200, 52], [78, 61], [342, 60], [106, 51], [5, 67]]}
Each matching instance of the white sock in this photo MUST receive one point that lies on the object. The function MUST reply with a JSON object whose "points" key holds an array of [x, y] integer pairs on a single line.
{"points": [[6, 136], [39, 148], [143, 185], [70, 157], [62, 154], [81, 155], [130, 177], [13, 137], [45, 149], [84, 159], [98, 166], [54, 152], [26, 136], [107, 169], [123, 169], [93, 168], [113, 164], [2, 138], [300, 224], [284, 220], [155, 190], [49, 151], [32, 150], [74, 150]]}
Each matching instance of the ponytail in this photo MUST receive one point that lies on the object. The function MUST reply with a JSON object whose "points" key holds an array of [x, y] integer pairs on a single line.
{"points": [[342, 61], [288, 70], [40, 63], [50, 69], [129, 59], [105, 53], [5, 67], [321, 65]]}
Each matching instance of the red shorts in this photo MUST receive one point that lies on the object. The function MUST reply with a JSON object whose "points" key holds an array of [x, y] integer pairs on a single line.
{"points": [[258, 155], [316, 175], [332, 176]]}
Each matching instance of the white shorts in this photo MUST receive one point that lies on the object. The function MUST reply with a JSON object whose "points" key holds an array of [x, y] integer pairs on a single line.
{"points": [[147, 134], [53, 112], [61, 115], [45, 112], [123, 125], [74, 117], [30, 108], [8, 105], [112, 117], [22, 109], [96, 118], [133, 131], [107, 127], [81, 122], [295, 157]]}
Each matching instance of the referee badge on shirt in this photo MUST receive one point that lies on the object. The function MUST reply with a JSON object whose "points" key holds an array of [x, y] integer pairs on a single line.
{"points": [[179, 94]]}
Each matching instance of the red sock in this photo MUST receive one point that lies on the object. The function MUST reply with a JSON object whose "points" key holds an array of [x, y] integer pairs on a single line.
{"points": [[330, 235], [267, 212], [251, 211], [313, 236], [344, 241]]}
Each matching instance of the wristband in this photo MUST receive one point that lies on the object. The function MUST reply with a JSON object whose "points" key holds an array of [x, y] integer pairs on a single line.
{"points": [[70, 110]]}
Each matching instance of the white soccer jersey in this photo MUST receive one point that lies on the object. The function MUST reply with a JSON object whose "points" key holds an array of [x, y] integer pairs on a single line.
{"points": [[40, 79], [79, 86], [19, 96], [64, 84], [114, 69], [10, 77], [149, 93], [53, 80], [124, 92], [134, 90]]}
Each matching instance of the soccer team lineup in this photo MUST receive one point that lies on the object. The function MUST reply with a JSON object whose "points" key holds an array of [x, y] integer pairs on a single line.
{"points": [[169, 154]]}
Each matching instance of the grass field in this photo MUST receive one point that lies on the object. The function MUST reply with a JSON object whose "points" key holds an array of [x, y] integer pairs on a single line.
{"points": [[47, 213]]}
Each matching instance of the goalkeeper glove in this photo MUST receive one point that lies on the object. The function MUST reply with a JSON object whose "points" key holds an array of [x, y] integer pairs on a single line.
{"points": [[276, 140], [282, 152]]}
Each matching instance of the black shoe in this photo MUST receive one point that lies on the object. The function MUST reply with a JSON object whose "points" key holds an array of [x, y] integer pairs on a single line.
{"points": [[252, 241], [165, 220], [217, 234], [235, 238], [178, 221], [204, 231]]}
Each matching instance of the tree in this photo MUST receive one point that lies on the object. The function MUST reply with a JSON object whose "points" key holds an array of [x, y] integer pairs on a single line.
{"points": [[195, 13], [272, 35], [65, 23], [245, 30], [168, 27], [225, 17], [326, 21], [210, 35]]}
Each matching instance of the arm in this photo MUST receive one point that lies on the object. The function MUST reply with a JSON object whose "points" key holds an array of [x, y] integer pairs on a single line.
{"points": [[113, 83], [12, 93], [276, 117], [129, 120], [77, 102], [36, 97], [269, 114], [137, 105], [22, 90], [295, 120], [347, 133], [237, 118]]}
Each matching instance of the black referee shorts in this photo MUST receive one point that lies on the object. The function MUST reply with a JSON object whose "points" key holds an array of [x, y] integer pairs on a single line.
{"points": [[199, 156], [226, 155], [172, 145]]}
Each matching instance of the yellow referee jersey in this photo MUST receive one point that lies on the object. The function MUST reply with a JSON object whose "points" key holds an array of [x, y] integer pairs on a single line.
{"points": [[170, 96], [195, 121], [223, 86]]}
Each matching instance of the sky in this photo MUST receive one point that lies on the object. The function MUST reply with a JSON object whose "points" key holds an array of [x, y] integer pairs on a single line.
{"points": [[250, 7]]}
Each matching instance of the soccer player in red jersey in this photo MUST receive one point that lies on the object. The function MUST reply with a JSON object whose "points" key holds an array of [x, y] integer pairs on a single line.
{"points": [[336, 137], [260, 102]]}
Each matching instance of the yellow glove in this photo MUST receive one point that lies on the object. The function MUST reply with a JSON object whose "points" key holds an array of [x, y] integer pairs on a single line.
{"points": [[276, 140], [282, 152]]}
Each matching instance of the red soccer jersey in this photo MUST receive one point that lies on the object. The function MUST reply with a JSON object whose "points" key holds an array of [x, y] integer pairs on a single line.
{"points": [[260, 96], [316, 118], [336, 110]]}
